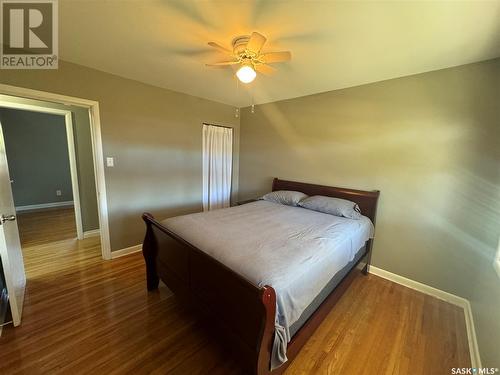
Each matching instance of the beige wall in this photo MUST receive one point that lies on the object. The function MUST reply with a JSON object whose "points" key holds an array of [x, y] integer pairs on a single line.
{"points": [[431, 144], [154, 135], [84, 158]]}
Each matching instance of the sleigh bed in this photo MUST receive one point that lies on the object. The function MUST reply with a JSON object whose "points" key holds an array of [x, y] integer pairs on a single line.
{"points": [[241, 308]]}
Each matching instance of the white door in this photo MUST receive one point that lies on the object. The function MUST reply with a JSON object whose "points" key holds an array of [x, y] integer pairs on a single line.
{"points": [[10, 245]]}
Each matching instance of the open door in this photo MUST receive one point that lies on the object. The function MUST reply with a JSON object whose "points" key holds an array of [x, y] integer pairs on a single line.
{"points": [[10, 245]]}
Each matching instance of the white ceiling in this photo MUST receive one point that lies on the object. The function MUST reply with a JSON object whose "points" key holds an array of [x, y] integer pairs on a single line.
{"points": [[334, 44]]}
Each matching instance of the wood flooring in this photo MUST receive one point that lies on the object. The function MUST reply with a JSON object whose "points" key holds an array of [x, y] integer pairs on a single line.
{"points": [[46, 226], [83, 315]]}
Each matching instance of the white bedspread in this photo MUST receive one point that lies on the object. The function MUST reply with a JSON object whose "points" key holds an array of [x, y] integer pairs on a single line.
{"points": [[293, 249]]}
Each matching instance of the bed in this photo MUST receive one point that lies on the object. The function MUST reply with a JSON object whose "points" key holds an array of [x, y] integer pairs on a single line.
{"points": [[264, 293]]}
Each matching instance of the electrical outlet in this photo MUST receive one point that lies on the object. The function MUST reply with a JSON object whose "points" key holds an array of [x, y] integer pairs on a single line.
{"points": [[110, 162], [58, 193]]}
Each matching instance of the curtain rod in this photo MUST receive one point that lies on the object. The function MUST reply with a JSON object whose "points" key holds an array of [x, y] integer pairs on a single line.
{"points": [[220, 126]]}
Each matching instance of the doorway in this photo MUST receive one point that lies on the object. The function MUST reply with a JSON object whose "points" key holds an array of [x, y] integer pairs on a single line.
{"points": [[11, 254], [47, 175], [43, 169]]}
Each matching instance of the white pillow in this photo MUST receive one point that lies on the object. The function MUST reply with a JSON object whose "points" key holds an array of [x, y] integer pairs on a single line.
{"points": [[332, 206], [286, 197]]}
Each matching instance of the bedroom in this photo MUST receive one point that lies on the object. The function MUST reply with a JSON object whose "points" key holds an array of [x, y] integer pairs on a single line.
{"points": [[399, 97]]}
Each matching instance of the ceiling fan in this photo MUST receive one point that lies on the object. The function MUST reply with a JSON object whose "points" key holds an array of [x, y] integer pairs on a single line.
{"points": [[247, 53]]}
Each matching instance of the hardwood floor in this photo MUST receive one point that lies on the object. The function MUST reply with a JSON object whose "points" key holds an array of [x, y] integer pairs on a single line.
{"points": [[46, 226], [84, 315]]}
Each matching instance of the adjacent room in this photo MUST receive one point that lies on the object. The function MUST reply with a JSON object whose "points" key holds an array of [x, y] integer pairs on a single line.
{"points": [[250, 187], [41, 178], [46, 180]]}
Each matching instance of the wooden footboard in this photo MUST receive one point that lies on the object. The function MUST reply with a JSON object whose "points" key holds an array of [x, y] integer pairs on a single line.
{"points": [[242, 312]]}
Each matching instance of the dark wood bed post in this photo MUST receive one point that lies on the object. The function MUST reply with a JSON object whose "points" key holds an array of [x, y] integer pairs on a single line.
{"points": [[149, 251], [369, 245], [266, 346]]}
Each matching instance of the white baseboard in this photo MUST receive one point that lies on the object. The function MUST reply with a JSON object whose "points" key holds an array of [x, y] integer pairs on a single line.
{"points": [[475, 357], [445, 296], [44, 205], [412, 284], [126, 251], [91, 233]]}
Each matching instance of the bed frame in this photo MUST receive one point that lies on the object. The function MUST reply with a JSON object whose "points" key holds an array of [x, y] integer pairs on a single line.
{"points": [[242, 313]]}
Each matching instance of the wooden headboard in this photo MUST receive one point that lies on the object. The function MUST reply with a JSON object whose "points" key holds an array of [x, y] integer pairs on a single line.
{"points": [[366, 200]]}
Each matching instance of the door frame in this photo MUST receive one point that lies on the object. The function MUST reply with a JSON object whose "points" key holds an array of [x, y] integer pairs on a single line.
{"points": [[71, 152], [97, 151]]}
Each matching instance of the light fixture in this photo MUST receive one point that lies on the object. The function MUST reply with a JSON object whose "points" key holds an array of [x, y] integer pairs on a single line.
{"points": [[246, 73]]}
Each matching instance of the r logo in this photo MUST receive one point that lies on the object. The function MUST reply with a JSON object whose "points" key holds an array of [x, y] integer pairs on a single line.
{"points": [[29, 28]]}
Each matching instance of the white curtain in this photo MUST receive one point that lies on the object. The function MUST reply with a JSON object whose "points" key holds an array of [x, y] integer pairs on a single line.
{"points": [[217, 166]]}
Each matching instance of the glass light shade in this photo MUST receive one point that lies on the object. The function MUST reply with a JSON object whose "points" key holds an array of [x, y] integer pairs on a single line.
{"points": [[246, 74]]}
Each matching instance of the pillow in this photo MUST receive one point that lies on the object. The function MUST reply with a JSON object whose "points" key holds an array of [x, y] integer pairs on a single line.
{"points": [[332, 206], [287, 197]]}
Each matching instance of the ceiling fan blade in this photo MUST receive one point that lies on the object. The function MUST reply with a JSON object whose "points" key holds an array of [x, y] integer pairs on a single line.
{"points": [[265, 69], [256, 42], [274, 57], [222, 63], [220, 48]]}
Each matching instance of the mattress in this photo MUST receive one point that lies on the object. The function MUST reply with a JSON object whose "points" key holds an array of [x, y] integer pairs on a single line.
{"points": [[325, 292], [295, 250]]}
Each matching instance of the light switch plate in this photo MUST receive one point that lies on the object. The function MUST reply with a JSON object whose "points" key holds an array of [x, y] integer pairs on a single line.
{"points": [[110, 162]]}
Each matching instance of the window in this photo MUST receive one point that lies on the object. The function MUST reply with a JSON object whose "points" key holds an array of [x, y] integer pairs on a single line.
{"points": [[217, 166]]}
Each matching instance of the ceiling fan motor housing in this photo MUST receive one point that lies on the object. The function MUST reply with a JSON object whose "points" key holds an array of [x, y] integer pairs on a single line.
{"points": [[240, 45]]}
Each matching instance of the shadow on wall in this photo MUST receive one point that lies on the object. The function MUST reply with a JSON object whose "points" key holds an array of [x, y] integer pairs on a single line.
{"points": [[173, 188], [129, 218], [477, 217]]}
